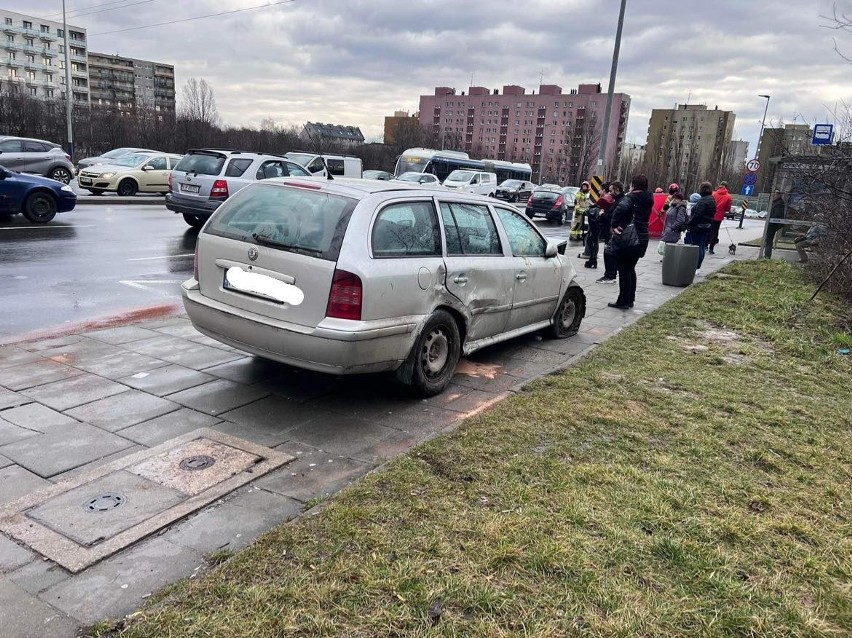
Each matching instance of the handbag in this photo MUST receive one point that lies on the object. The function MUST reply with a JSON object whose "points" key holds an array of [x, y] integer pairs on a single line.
{"points": [[628, 239]]}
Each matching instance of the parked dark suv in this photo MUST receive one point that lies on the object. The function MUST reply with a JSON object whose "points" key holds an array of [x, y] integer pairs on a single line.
{"points": [[554, 202]]}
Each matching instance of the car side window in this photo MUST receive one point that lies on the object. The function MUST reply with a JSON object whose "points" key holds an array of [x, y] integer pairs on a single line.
{"points": [[158, 163], [271, 169], [475, 179], [470, 230], [35, 147], [316, 166], [523, 238], [406, 230], [236, 167], [295, 170], [11, 146]]}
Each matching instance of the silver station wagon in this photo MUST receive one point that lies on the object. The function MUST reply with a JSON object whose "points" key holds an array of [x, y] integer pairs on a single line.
{"points": [[355, 276]]}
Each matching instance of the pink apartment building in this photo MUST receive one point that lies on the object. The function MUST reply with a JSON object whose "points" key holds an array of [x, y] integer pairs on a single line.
{"points": [[557, 134]]}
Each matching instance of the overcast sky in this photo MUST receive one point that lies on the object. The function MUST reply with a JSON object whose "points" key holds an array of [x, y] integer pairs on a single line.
{"points": [[355, 61]]}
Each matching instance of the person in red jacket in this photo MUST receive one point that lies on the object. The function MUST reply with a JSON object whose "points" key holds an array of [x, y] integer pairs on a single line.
{"points": [[724, 201]]}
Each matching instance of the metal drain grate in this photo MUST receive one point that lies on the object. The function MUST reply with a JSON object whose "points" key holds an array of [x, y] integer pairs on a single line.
{"points": [[201, 462], [104, 502]]}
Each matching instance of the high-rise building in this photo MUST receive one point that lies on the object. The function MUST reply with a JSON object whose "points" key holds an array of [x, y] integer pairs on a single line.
{"points": [[128, 83], [334, 133], [775, 143], [688, 145], [32, 56], [558, 134]]}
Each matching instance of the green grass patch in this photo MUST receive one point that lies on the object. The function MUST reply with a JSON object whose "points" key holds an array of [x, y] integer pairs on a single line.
{"points": [[655, 489]]}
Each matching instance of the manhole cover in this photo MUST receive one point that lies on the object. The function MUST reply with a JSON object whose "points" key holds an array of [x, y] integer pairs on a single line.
{"points": [[201, 462], [104, 502]]}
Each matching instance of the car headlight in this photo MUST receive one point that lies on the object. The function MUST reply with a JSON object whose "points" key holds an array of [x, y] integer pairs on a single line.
{"points": [[67, 189], [107, 175]]}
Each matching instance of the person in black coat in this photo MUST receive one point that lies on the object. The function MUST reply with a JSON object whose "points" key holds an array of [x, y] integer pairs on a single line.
{"points": [[634, 208], [701, 220]]}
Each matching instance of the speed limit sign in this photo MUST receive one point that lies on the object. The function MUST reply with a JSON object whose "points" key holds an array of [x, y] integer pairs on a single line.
{"points": [[753, 166]]}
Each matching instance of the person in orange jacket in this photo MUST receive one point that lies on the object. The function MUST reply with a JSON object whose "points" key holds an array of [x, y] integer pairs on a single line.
{"points": [[724, 201]]}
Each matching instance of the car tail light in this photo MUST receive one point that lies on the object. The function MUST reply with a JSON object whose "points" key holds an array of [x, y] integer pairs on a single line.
{"points": [[195, 261], [559, 201], [219, 190], [530, 201], [344, 300]]}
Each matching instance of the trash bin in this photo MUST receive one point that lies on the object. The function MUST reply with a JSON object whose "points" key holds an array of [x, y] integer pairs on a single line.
{"points": [[679, 264]]}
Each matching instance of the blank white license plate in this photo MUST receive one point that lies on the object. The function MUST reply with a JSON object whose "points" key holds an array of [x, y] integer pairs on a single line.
{"points": [[189, 188]]}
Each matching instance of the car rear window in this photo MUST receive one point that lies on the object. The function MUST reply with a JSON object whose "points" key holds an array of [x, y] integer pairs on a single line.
{"points": [[236, 167], [201, 163], [289, 218]]}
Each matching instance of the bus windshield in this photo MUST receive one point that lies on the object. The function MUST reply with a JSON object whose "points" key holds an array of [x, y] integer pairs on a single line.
{"points": [[411, 164]]}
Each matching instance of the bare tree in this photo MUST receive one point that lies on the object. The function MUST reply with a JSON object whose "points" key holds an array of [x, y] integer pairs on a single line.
{"points": [[199, 103]]}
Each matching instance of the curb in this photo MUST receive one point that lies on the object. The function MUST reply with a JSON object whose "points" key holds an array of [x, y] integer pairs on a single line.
{"points": [[120, 201]]}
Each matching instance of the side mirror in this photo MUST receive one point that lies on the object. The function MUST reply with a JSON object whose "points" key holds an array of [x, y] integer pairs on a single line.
{"points": [[551, 251], [147, 167], [560, 248]]}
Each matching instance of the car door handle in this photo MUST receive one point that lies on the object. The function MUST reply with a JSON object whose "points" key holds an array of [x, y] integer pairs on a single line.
{"points": [[460, 279], [521, 276]]}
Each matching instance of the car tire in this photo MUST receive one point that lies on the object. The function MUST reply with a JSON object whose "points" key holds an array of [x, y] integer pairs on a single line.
{"points": [[40, 208], [531, 215], [96, 191], [569, 314], [193, 220], [61, 174], [127, 188], [435, 355]]}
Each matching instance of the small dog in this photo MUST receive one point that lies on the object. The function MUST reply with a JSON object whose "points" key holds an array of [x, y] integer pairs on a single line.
{"points": [[732, 249]]}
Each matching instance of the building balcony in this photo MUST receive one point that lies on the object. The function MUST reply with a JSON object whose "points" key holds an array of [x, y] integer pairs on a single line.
{"points": [[17, 64], [48, 53], [46, 37], [10, 30], [11, 46]]}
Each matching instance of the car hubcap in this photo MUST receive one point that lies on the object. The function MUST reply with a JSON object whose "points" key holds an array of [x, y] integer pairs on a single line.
{"points": [[435, 353], [569, 312], [62, 175]]}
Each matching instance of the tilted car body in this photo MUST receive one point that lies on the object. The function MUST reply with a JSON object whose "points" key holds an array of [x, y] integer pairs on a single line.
{"points": [[354, 276], [39, 157], [109, 156], [130, 174], [205, 178], [38, 198]]}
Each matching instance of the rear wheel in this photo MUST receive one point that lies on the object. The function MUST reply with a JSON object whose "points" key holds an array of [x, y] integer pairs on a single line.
{"points": [[435, 354], [570, 313], [40, 208], [193, 220], [60, 174], [127, 188]]}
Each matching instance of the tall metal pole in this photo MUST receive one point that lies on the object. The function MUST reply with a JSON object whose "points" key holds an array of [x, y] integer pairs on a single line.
{"points": [[69, 93], [762, 125], [762, 184], [605, 132]]}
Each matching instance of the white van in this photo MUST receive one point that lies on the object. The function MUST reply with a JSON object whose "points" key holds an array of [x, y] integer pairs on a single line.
{"points": [[468, 181], [338, 165]]}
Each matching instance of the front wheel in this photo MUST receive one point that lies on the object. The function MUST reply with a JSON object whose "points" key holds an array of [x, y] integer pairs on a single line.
{"points": [[96, 191], [193, 220], [60, 174], [127, 188], [40, 208], [435, 354], [568, 316]]}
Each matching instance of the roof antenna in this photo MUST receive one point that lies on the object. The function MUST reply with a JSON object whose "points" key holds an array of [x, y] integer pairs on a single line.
{"points": [[327, 171]]}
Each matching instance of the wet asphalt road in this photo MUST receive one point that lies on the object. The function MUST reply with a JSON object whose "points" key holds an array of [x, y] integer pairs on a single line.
{"points": [[94, 262]]}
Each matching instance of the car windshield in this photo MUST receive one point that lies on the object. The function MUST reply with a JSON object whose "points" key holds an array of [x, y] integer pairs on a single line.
{"points": [[511, 183], [410, 177], [293, 219], [572, 190], [547, 188], [131, 160], [302, 159], [116, 152], [460, 176], [201, 163]]}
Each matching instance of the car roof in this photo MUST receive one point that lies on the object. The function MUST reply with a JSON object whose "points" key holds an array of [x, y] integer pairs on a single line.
{"points": [[3, 138], [357, 188]]}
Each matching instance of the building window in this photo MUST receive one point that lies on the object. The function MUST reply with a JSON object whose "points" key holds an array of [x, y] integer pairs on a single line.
{"points": [[31, 75], [8, 20], [10, 38], [30, 42], [33, 91], [45, 28], [28, 25], [11, 55], [48, 92]]}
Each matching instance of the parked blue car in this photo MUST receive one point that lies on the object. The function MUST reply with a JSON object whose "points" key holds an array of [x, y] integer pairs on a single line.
{"points": [[38, 198]]}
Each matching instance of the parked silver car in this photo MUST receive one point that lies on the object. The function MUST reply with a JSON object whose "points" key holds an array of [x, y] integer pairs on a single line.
{"points": [[351, 276], [40, 157], [204, 179]]}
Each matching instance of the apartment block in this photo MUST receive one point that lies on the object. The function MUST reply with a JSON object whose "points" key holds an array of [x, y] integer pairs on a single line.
{"points": [[32, 56], [688, 144], [558, 134], [776, 143], [128, 83], [394, 121]]}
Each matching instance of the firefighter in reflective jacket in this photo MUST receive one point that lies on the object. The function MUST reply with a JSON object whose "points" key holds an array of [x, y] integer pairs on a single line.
{"points": [[581, 205]]}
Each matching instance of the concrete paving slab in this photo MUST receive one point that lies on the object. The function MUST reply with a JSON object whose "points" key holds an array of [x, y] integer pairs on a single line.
{"points": [[4, 462], [82, 352], [16, 482], [98, 510], [235, 523], [339, 434], [274, 413], [13, 555], [28, 375], [217, 397], [120, 584], [15, 356], [182, 328], [166, 380], [122, 334], [9, 399], [63, 448], [92, 465], [313, 474], [168, 426], [35, 416], [15, 521], [247, 370], [50, 344], [22, 615], [119, 363], [10, 433], [202, 356], [69, 393], [123, 410], [37, 575]]}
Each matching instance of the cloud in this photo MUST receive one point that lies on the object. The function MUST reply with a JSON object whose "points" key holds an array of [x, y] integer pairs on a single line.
{"points": [[355, 61]]}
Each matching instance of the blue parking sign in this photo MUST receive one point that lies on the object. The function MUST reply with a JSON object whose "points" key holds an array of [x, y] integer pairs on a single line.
{"points": [[750, 179]]}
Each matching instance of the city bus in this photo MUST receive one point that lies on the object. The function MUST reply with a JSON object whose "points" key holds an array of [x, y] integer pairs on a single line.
{"points": [[442, 163], [508, 170]]}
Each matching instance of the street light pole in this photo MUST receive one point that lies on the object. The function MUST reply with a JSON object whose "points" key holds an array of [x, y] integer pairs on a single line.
{"points": [[762, 184], [605, 132], [69, 93], [762, 125]]}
